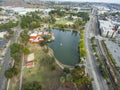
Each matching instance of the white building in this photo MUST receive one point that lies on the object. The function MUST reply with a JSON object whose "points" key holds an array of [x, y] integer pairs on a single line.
{"points": [[107, 29], [19, 10], [2, 34], [118, 33], [102, 9]]}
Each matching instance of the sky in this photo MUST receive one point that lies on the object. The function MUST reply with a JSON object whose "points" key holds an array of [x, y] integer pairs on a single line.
{"points": [[106, 1]]}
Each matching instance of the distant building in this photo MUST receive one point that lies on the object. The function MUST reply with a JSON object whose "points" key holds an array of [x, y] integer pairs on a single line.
{"points": [[35, 38], [85, 10], [102, 9], [82, 9], [38, 37]]}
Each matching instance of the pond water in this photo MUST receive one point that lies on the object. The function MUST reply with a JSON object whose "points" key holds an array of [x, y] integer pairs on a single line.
{"points": [[65, 46]]}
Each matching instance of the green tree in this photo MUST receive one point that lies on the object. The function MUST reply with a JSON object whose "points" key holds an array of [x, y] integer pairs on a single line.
{"points": [[11, 72], [52, 20], [80, 77], [81, 36], [24, 37], [66, 70], [32, 86], [47, 37], [62, 79], [82, 52], [14, 48], [47, 60], [8, 73], [1, 8], [8, 25], [30, 20], [81, 44], [78, 22], [69, 77], [15, 51], [17, 57], [53, 67], [57, 12], [84, 15], [26, 51]]}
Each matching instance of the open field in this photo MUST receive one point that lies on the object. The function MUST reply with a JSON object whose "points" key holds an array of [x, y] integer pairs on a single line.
{"points": [[41, 73], [61, 21]]}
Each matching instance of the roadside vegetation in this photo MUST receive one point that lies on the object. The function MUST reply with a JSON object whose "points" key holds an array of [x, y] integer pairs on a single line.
{"points": [[67, 20], [8, 25], [103, 70], [16, 51], [8, 28], [77, 78], [82, 46], [112, 62], [114, 71], [14, 70], [30, 20], [56, 19]]}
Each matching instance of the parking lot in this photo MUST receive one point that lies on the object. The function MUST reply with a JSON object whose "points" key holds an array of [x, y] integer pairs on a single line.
{"points": [[114, 49]]}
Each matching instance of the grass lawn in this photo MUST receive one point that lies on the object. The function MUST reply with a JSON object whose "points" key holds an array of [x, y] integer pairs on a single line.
{"points": [[42, 73], [61, 21], [14, 83]]}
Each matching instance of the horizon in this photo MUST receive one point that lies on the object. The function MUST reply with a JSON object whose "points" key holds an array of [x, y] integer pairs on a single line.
{"points": [[91, 1]]}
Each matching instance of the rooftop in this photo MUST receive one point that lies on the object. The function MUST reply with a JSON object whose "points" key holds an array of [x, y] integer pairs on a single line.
{"points": [[30, 57], [2, 34], [106, 25]]}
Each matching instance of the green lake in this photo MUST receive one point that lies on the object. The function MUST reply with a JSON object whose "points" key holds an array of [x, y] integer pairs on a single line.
{"points": [[65, 46]]}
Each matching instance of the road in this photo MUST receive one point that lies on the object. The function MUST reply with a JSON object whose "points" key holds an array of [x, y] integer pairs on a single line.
{"points": [[91, 64], [8, 60], [100, 53], [5, 66]]}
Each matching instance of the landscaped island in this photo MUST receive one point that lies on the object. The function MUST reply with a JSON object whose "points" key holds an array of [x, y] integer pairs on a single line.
{"points": [[40, 36]]}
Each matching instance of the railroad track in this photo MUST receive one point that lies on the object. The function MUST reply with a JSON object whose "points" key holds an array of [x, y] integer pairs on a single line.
{"points": [[111, 71]]}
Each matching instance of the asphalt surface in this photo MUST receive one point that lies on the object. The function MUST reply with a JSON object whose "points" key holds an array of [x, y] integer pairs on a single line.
{"points": [[5, 66], [101, 53], [8, 60], [91, 64]]}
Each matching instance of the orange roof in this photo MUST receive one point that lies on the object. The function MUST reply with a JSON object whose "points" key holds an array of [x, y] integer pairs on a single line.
{"points": [[29, 63]]}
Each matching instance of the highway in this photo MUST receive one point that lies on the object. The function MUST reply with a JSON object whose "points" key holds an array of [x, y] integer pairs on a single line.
{"points": [[8, 59], [92, 66]]}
